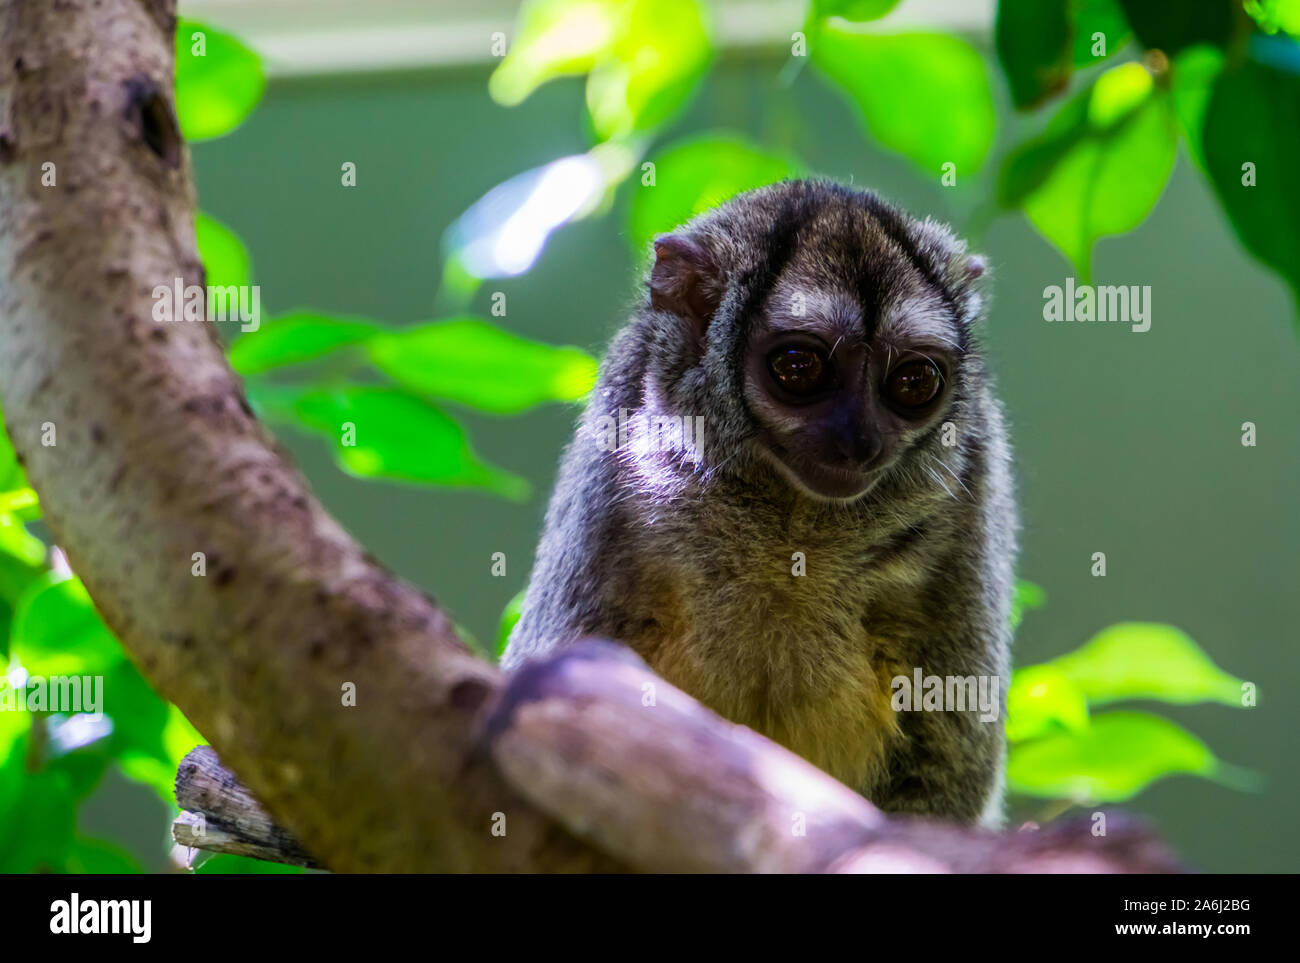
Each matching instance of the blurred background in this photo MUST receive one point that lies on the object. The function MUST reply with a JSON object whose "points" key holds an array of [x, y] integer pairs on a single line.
{"points": [[1126, 443]]}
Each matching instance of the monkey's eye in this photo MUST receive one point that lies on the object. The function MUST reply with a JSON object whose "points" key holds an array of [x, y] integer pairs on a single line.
{"points": [[800, 371], [914, 384]]}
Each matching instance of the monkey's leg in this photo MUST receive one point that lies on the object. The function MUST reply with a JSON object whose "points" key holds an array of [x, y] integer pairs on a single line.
{"points": [[948, 765]]}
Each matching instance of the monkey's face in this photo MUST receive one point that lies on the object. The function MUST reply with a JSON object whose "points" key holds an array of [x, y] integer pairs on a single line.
{"points": [[835, 407], [826, 332]]}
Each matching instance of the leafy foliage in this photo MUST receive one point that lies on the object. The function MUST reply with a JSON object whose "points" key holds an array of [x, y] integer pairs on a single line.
{"points": [[1232, 83], [297, 337], [1099, 167], [1147, 660], [696, 174], [1172, 27], [1034, 45], [387, 433], [397, 432], [1253, 118], [469, 361], [509, 619], [50, 761], [926, 96], [643, 58], [856, 10], [1059, 748], [1275, 15], [1096, 169], [225, 259], [218, 81], [1113, 758]]}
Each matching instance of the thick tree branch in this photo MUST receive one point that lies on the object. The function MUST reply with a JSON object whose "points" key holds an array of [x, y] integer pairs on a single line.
{"points": [[624, 759], [221, 817], [156, 457]]}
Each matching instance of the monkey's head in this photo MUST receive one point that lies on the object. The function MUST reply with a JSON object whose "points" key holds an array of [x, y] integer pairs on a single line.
{"points": [[820, 331]]}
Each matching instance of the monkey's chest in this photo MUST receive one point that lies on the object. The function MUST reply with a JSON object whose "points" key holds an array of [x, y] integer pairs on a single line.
{"points": [[793, 661]]}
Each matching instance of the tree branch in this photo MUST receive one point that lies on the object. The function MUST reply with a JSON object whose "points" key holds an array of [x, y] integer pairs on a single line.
{"points": [[222, 817], [638, 767], [158, 456]]}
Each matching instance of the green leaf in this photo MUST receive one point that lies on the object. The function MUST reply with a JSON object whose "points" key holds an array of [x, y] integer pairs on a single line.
{"points": [[83, 766], [1112, 759], [148, 770], [56, 631], [179, 737], [923, 95], [1034, 46], [19, 546], [1161, 25], [1043, 699], [394, 435], [1194, 74], [654, 65], [644, 57], [858, 11], [15, 727], [154, 759], [1092, 17], [139, 715], [1147, 660], [296, 337], [226, 864], [1099, 166], [555, 38], [1253, 117], [477, 364], [22, 559], [91, 855], [696, 174], [38, 835], [225, 259], [11, 474], [22, 503], [1275, 15], [218, 81], [1041, 42], [1117, 94], [1027, 596], [509, 619]]}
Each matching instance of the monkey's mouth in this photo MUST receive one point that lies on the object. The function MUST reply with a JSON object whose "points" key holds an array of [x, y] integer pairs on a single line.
{"points": [[830, 482], [816, 478]]}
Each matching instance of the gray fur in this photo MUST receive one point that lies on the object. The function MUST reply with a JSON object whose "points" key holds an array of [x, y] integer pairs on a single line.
{"points": [[689, 562]]}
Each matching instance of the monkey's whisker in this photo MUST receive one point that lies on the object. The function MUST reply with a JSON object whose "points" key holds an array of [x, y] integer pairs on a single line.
{"points": [[944, 466], [939, 482]]}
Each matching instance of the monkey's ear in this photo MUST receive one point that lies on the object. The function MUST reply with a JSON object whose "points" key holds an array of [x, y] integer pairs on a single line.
{"points": [[961, 272], [685, 280]]}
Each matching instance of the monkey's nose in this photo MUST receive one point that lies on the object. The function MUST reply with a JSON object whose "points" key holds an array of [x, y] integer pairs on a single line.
{"points": [[857, 449]]}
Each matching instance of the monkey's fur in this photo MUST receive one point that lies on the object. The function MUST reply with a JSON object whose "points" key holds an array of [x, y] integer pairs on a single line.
{"points": [[688, 557]]}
